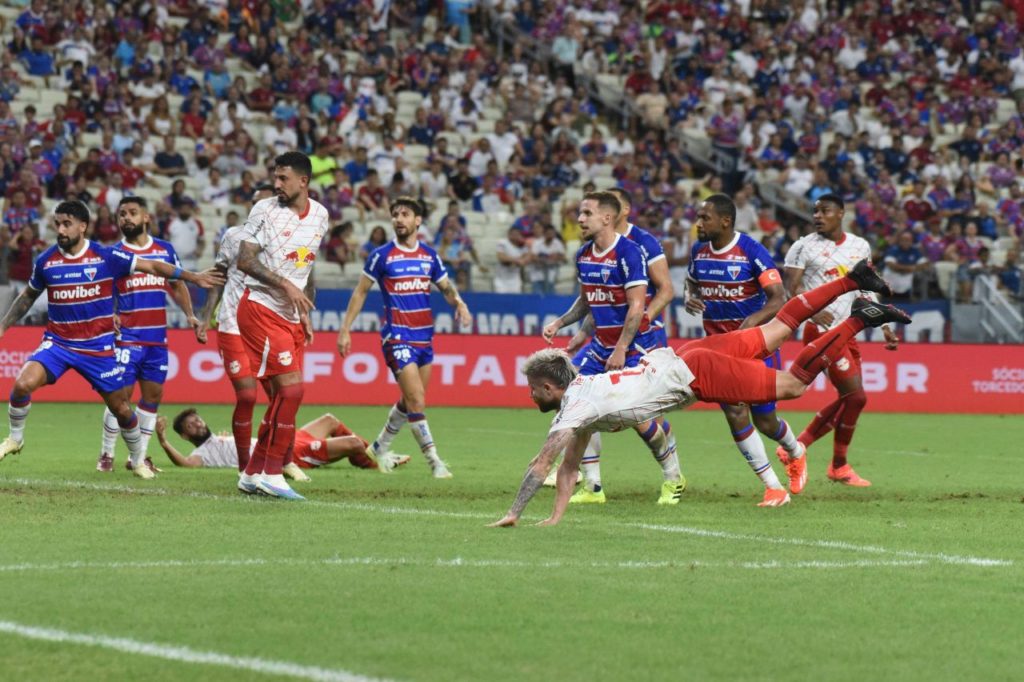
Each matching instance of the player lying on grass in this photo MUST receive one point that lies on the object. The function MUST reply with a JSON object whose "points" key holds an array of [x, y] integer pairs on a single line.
{"points": [[724, 368], [323, 441]]}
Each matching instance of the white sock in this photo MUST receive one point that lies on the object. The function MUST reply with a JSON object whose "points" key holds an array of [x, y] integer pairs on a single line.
{"points": [[591, 464], [752, 448], [111, 430], [421, 432], [147, 422], [663, 448], [133, 439], [787, 439], [396, 420], [17, 416]]}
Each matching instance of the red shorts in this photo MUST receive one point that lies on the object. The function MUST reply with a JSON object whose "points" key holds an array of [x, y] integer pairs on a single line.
{"points": [[232, 352], [273, 343], [728, 368], [847, 366], [310, 452]]}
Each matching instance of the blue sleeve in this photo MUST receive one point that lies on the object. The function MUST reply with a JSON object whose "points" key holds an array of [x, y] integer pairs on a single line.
{"points": [[691, 269], [632, 265], [121, 264], [760, 259], [375, 264], [437, 269], [651, 247], [36, 280], [172, 255]]}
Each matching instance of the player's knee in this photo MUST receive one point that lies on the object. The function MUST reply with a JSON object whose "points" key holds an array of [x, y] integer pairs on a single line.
{"points": [[768, 423], [246, 396], [857, 399], [789, 387]]}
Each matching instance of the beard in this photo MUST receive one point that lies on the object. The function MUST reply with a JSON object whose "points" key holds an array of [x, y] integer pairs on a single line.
{"points": [[66, 243], [284, 201], [201, 436], [131, 230]]}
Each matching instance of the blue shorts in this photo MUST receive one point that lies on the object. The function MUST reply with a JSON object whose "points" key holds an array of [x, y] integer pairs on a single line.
{"points": [[101, 371], [592, 357], [773, 361], [398, 355], [142, 363]]}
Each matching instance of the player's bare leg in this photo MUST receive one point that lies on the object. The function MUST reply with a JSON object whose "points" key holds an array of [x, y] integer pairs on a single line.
{"points": [[31, 378]]}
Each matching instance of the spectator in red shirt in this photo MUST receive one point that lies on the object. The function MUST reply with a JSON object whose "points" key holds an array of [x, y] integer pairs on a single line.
{"points": [[918, 207], [371, 197]]}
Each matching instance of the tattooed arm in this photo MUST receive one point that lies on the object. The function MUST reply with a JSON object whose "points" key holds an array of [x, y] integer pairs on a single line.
{"points": [[451, 294], [535, 475], [249, 263], [577, 312], [634, 316], [19, 306], [566, 480]]}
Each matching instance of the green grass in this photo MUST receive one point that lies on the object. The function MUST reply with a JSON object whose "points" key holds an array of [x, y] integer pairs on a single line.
{"points": [[397, 577]]}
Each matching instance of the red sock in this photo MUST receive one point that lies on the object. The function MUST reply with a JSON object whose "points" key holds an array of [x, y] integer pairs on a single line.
{"points": [[281, 434], [824, 350], [799, 309], [259, 454], [846, 423], [822, 423], [241, 423]]}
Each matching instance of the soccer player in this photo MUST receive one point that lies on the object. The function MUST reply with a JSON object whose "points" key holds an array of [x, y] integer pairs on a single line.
{"points": [[722, 368], [78, 277], [613, 281], [323, 441], [404, 270], [281, 238], [734, 284], [820, 257], [224, 300], [140, 344]]}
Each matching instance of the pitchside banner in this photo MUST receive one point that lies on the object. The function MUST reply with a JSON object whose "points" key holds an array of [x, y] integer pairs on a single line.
{"points": [[477, 370]]}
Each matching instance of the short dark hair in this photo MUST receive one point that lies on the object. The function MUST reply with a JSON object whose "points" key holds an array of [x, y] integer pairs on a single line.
{"points": [[74, 208], [411, 203], [605, 199], [139, 201], [724, 207], [833, 199], [179, 422], [297, 161], [624, 195]]}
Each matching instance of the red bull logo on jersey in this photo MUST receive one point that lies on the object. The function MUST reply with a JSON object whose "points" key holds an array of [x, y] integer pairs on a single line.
{"points": [[409, 285], [835, 273], [302, 257], [78, 293]]}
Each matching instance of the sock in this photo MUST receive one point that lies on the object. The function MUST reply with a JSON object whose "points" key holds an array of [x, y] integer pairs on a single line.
{"points": [[421, 432], [17, 413], [280, 436], [846, 422], [784, 437], [824, 350], [663, 448], [132, 435], [111, 430], [591, 464], [799, 309], [147, 422], [397, 418], [750, 445], [241, 423], [258, 458], [821, 424]]}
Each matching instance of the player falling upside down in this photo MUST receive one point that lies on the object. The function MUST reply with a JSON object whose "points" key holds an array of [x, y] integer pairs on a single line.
{"points": [[141, 338], [813, 260], [78, 277], [323, 441], [724, 368], [734, 284], [404, 269], [613, 289], [282, 236]]}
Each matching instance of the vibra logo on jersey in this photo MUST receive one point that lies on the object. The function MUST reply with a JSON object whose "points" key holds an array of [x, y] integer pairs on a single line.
{"points": [[146, 280], [407, 285], [77, 293], [302, 257]]}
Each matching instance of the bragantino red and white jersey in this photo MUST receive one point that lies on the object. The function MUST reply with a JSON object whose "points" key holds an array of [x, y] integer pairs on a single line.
{"points": [[234, 286], [824, 260]]}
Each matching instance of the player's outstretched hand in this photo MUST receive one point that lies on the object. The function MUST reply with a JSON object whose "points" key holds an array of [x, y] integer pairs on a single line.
{"points": [[207, 279], [506, 521], [617, 360], [161, 426], [824, 318]]}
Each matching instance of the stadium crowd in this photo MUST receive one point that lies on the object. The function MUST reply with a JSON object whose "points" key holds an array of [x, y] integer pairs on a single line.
{"points": [[913, 112]]}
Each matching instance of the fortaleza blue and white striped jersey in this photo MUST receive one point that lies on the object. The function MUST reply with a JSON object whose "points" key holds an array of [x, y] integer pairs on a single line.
{"points": [[404, 277], [732, 281], [141, 298], [80, 293], [604, 277], [653, 252]]}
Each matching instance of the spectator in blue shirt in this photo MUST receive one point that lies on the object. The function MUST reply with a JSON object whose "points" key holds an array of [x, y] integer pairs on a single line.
{"points": [[38, 62], [902, 261], [357, 168], [1010, 274]]}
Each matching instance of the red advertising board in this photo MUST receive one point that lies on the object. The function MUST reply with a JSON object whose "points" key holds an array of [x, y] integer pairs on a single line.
{"points": [[484, 371]]}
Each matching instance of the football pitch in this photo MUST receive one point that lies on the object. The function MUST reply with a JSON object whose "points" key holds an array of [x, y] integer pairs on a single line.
{"points": [[396, 577]]}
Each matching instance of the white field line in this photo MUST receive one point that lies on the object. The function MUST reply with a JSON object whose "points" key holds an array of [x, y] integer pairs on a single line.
{"points": [[382, 509], [184, 654], [457, 562]]}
